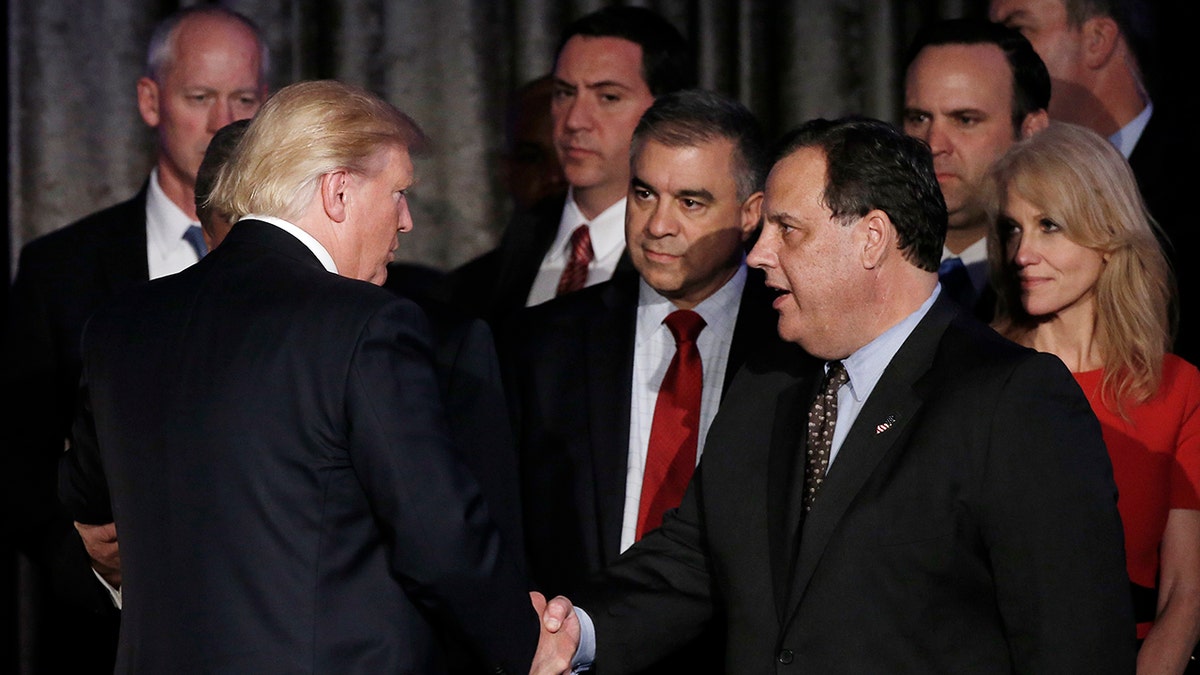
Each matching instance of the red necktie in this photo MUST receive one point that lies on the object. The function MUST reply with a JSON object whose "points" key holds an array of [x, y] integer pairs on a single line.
{"points": [[671, 457], [574, 275]]}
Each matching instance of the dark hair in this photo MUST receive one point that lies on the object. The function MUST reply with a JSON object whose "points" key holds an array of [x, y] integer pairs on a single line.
{"points": [[1031, 80], [871, 164], [219, 149], [667, 63], [1133, 17], [693, 116]]}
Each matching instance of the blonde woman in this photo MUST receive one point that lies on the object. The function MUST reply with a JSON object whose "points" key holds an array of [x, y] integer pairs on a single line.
{"points": [[1080, 274]]}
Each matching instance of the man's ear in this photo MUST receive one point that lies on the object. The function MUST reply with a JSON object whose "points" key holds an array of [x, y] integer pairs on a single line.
{"points": [[148, 101], [879, 238], [751, 215], [333, 194], [1100, 37], [1034, 122]]}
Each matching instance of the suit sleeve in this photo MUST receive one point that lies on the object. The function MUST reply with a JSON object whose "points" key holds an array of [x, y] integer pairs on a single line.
{"points": [[477, 410], [1052, 530], [657, 597], [445, 550], [83, 488]]}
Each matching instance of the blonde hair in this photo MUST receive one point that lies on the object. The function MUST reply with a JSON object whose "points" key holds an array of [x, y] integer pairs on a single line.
{"points": [[1082, 183], [304, 131]]}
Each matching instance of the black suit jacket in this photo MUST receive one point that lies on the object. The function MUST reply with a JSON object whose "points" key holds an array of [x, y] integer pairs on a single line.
{"points": [[568, 365], [968, 524], [468, 371], [497, 283], [62, 277], [271, 440], [1166, 184]]}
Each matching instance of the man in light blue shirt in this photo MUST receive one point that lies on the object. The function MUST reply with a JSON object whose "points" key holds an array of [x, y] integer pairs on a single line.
{"points": [[960, 514]]}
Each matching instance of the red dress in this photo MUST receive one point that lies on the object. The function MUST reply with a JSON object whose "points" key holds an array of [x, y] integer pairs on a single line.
{"points": [[1156, 461]]}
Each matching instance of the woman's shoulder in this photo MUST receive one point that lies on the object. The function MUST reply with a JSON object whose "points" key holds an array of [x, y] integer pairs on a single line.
{"points": [[1180, 379]]}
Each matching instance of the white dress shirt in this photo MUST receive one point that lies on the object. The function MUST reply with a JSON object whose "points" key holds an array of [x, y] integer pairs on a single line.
{"points": [[654, 347], [975, 261], [607, 231], [167, 252]]}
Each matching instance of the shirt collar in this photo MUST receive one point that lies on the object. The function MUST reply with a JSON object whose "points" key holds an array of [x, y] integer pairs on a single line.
{"points": [[607, 229], [974, 258], [866, 365], [305, 238], [1127, 136], [165, 221], [718, 310]]}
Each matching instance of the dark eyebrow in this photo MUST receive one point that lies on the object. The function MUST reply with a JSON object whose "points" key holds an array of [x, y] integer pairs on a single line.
{"points": [[699, 193], [639, 183], [782, 218], [593, 85], [607, 83]]}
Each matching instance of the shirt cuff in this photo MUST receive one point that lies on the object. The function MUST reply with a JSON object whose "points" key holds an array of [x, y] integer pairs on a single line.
{"points": [[115, 595], [585, 654]]}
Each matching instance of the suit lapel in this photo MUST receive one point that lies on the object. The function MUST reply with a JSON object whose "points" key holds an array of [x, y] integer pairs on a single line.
{"points": [[524, 245], [123, 248], [884, 420], [755, 327], [608, 336], [787, 438]]}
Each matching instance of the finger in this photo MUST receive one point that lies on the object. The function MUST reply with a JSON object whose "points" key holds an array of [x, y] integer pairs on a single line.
{"points": [[556, 613], [539, 602]]}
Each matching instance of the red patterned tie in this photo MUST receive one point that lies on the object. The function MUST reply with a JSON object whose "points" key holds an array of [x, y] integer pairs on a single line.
{"points": [[671, 457], [574, 275]]}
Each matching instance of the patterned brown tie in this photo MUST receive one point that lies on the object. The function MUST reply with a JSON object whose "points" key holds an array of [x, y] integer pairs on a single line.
{"points": [[574, 275], [821, 419]]}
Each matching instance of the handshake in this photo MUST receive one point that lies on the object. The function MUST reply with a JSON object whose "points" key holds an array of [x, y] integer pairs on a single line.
{"points": [[558, 639]]}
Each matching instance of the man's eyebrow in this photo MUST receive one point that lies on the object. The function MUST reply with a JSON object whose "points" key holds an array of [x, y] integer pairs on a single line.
{"points": [[636, 182], [602, 84], [606, 83], [695, 193], [782, 218]]}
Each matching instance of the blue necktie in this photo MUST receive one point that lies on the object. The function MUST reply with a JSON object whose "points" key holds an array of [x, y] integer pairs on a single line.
{"points": [[195, 237], [956, 282]]}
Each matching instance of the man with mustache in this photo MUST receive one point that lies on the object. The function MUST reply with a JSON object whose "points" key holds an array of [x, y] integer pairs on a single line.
{"points": [[610, 66]]}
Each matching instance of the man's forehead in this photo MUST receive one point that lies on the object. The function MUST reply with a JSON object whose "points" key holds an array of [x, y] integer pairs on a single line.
{"points": [[598, 59], [705, 164], [214, 45]]}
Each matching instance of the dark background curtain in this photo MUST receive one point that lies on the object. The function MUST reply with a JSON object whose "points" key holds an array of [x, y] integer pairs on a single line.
{"points": [[77, 144]]}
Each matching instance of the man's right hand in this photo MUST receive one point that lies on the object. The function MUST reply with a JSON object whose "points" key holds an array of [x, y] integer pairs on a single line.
{"points": [[559, 638], [101, 544]]}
